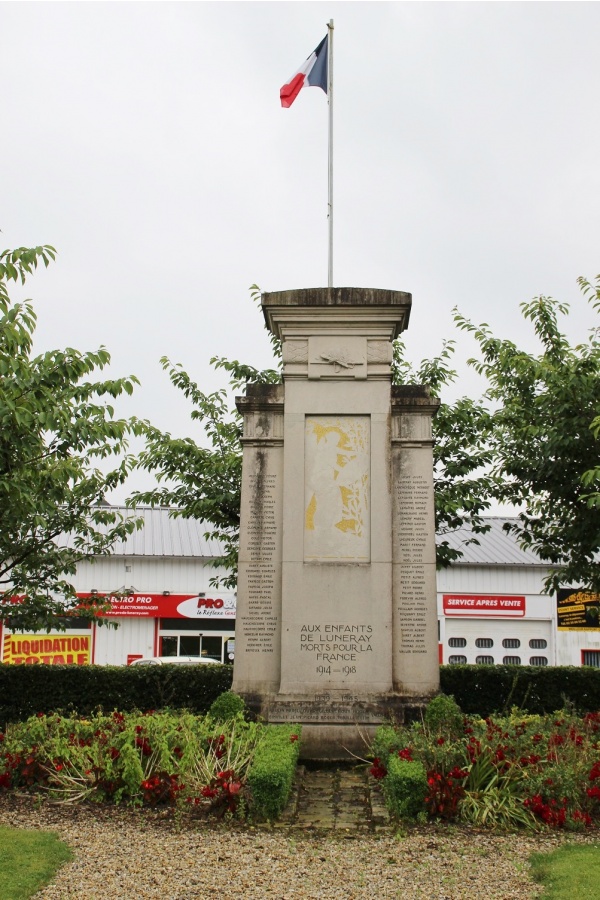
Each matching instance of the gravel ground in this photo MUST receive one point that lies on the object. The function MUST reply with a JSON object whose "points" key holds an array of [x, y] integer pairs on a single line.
{"points": [[124, 853]]}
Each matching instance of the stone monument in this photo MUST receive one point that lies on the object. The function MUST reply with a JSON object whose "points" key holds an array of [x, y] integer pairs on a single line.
{"points": [[336, 610]]}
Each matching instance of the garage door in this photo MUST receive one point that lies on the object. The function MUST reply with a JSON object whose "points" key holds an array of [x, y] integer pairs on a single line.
{"points": [[498, 642]]}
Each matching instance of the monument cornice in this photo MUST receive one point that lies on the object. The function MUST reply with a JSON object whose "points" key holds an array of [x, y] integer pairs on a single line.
{"points": [[413, 399], [262, 398], [368, 311]]}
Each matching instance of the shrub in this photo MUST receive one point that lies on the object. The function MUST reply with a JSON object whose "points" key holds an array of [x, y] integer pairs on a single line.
{"points": [[443, 717], [387, 740], [405, 787], [27, 690], [227, 706], [271, 774], [515, 770], [153, 759]]}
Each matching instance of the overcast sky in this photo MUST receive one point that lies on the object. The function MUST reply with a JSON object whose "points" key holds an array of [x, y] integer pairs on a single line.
{"points": [[146, 142]]}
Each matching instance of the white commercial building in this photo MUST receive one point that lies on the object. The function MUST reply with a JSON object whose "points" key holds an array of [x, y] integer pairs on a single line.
{"points": [[491, 605], [492, 609], [158, 585]]}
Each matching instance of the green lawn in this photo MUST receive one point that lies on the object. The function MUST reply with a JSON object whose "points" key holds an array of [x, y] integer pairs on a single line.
{"points": [[28, 860], [571, 872]]}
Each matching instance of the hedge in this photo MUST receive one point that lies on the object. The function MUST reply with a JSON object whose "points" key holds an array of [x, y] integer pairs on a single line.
{"points": [[27, 690], [484, 690], [405, 787], [478, 690], [271, 772]]}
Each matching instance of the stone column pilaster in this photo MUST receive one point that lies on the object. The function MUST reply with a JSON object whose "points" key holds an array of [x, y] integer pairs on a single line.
{"points": [[258, 624], [414, 616]]}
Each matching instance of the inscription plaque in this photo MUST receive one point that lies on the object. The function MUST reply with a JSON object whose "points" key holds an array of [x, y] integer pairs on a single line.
{"points": [[258, 623], [326, 711]]}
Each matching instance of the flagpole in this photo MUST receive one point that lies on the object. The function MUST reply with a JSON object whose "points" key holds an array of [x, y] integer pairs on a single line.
{"points": [[330, 154]]}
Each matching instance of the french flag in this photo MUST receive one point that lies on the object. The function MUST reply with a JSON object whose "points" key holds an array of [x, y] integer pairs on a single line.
{"points": [[313, 73]]}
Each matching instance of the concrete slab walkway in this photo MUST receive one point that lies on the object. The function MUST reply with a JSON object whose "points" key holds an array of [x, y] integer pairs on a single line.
{"points": [[341, 798]]}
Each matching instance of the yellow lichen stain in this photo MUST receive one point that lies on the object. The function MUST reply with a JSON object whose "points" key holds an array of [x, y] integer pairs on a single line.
{"points": [[347, 494], [321, 431], [309, 516], [350, 525]]}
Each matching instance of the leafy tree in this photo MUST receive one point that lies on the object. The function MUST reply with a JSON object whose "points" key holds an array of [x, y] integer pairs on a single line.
{"points": [[542, 439], [591, 478], [55, 427], [464, 485], [200, 482], [204, 482]]}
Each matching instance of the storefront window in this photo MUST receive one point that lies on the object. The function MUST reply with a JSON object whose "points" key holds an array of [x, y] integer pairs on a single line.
{"points": [[168, 646], [198, 643], [189, 645], [212, 646]]}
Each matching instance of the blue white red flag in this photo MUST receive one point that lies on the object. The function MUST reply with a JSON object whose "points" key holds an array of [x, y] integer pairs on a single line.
{"points": [[313, 73]]}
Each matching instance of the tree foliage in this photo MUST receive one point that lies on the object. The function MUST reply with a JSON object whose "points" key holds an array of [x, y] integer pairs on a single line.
{"points": [[204, 482], [200, 482], [531, 441], [56, 427], [543, 441], [464, 486]]}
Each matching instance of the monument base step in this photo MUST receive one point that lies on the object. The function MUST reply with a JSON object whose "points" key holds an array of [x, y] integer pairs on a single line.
{"points": [[340, 798], [336, 726], [336, 742]]}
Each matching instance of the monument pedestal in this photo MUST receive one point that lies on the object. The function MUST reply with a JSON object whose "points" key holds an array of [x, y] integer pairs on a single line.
{"points": [[336, 611]]}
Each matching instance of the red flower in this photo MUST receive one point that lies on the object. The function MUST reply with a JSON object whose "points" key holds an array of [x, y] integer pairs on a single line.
{"points": [[378, 770], [595, 771]]}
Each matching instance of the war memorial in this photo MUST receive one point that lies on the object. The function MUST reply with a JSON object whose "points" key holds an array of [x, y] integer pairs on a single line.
{"points": [[336, 610]]}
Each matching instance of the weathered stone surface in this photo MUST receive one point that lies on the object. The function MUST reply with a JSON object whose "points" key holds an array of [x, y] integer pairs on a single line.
{"points": [[336, 595]]}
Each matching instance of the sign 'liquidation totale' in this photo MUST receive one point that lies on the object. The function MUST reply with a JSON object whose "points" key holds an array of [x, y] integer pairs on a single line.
{"points": [[53, 650]]}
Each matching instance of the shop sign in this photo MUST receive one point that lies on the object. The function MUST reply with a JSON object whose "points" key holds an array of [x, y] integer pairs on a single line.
{"points": [[484, 605], [168, 606], [577, 610], [53, 650]]}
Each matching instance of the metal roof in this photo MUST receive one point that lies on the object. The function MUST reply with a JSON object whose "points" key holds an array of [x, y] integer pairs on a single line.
{"points": [[494, 548], [165, 535]]}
